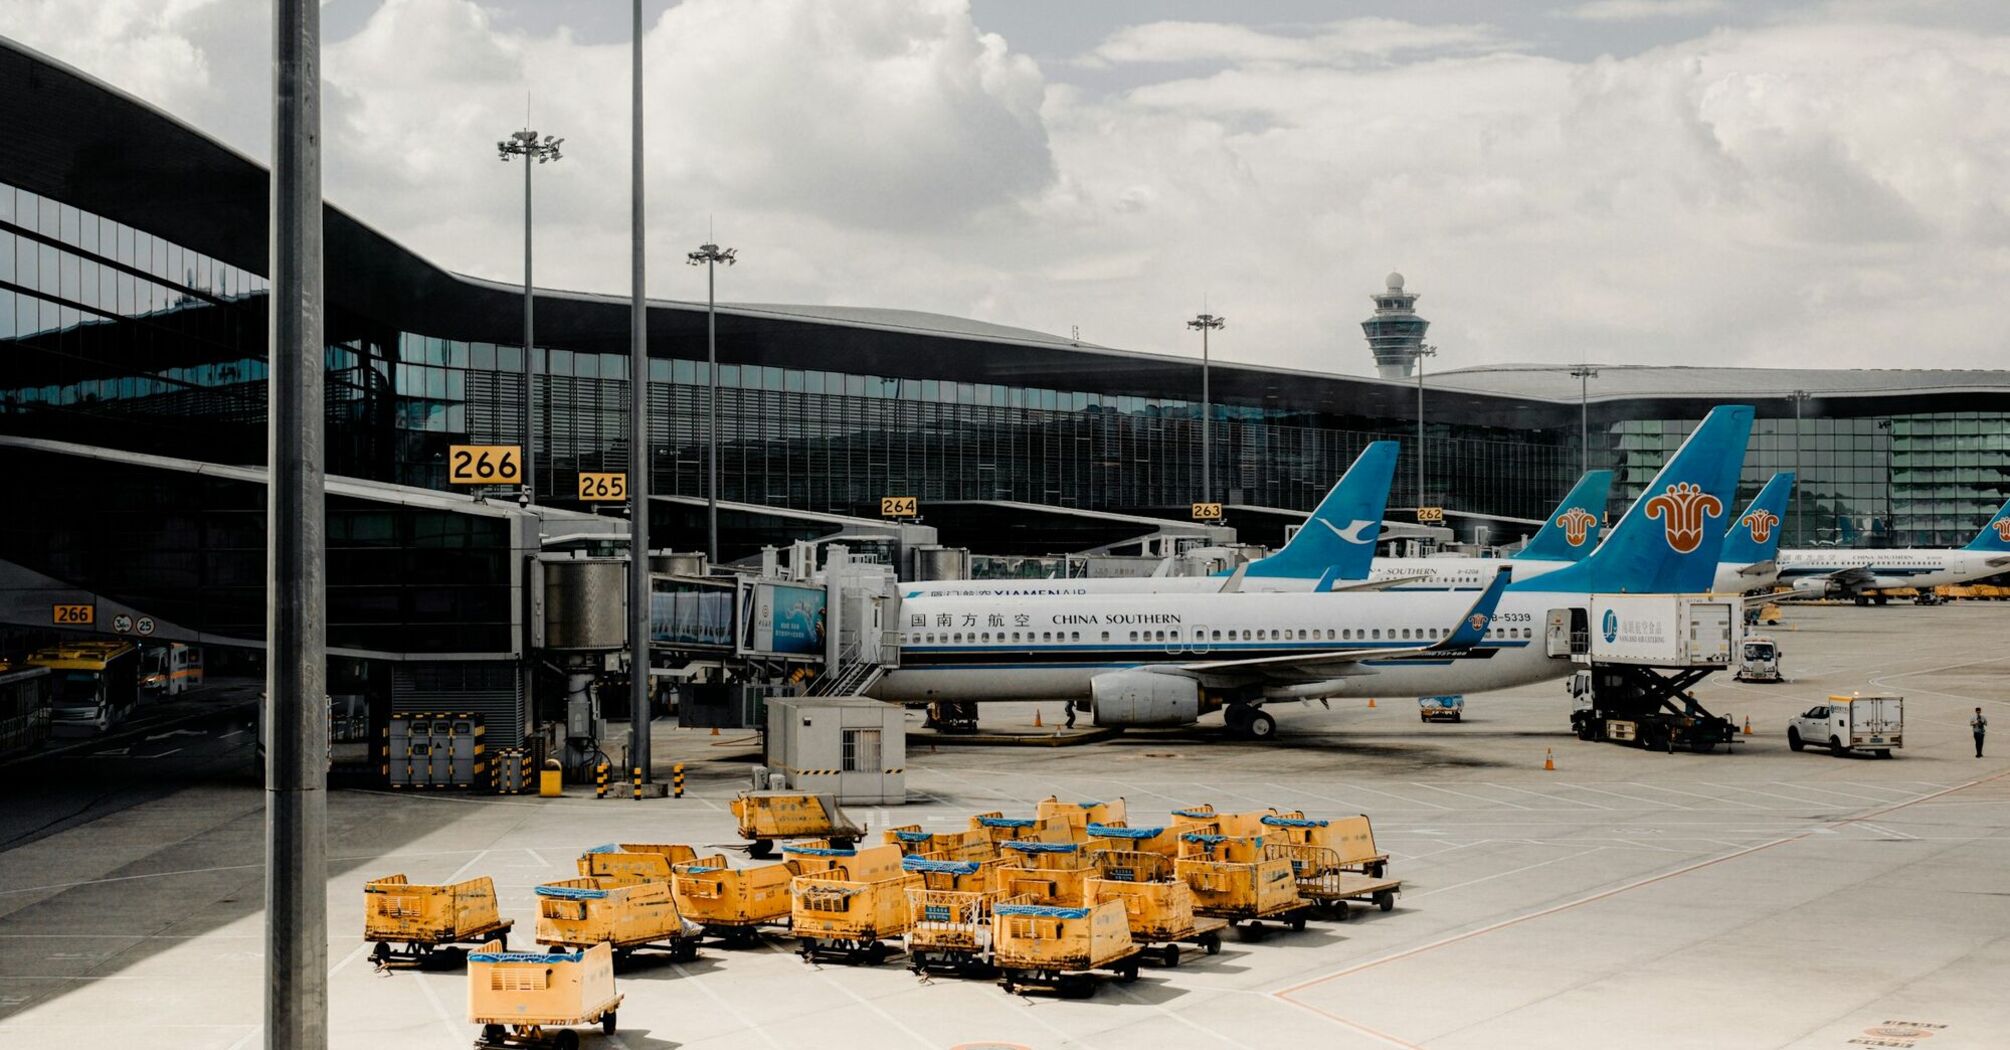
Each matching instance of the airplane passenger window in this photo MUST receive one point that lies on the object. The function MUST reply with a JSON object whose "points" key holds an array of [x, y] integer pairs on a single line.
{"points": [[1406, 633], [957, 637], [1301, 634], [1217, 636], [1046, 636], [1106, 636], [1378, 634], [1134, 636], [1161, 637], [1074, 636], [1329, 634]]}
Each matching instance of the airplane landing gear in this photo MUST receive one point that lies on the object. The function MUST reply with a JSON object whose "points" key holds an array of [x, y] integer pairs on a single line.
{"points": [[1249, 723]]}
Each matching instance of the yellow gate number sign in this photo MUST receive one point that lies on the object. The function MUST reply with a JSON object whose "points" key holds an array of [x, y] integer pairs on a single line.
{"points": [[1207, 512], [603, 486], [73, 614], [899, 506], [484, 464], [1430, 515]]}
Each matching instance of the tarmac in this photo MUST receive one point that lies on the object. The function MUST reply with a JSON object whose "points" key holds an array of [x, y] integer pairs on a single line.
{"points": [[1759, 898]]}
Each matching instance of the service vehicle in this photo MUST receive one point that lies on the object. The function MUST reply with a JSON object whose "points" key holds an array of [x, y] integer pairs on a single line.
{"points": [[170, 670], [423, 918], [1351, 840], [621, 863], [1760, 661], [1061, 946], [847, 912], [97, 683], [531, 999], [1045, 872], [1157, 903], [580, 913], [1234, 878], [1441, 708], [949, 915], [734, 903], [1874, 723], [767, 817]]}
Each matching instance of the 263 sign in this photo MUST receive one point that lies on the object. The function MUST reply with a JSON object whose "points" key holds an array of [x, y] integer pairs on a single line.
{"points": [[484, 464], [603, 486], [1207, 512]]}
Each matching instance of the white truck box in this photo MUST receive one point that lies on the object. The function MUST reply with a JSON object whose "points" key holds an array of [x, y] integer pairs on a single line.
{"points": [[1652, 630]]}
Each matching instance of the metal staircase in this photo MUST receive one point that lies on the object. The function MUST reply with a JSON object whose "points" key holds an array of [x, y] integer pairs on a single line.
{"points": [[851, 677]]}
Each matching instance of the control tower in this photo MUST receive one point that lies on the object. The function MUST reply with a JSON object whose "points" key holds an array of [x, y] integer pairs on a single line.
{"points": [[1395, 332]]}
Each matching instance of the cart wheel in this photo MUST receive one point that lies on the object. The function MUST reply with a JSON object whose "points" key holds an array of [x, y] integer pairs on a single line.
{"points": [[1251, 932], [493, 1034], [1006, 983], [1341, 911], [876, 953], [559, 949], [607, 1023], [381, 953], [1079, 986], [760, 848], [684, 949], [1128, 972], [1376, 869], [1296, 921], [566, 1039], [1170, 956], [1211, 943], [843, 843], [1385, 900]]}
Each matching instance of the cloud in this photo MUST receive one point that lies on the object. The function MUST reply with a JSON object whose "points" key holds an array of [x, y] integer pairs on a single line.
{"points": [[1636, 10], [1342, 43]]}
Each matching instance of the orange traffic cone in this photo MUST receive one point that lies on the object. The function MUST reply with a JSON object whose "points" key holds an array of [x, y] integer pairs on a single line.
{"points": [[1036, 718], [1748, 725], [715, 730], [1549, 759], [1371, 701]]}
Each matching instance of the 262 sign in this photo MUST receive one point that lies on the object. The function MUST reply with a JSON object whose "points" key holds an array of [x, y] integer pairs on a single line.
{"points": [[484, 464], [603, 486]]}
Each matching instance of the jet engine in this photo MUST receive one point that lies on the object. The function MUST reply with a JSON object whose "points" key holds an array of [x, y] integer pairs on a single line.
{"points": [[1143, 698]]}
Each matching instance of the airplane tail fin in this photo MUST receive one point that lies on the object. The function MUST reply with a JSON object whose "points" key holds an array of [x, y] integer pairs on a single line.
{"points": [[1342, 530], [1572, 529], [1755, 534], [1995, 536], [1669, 540]]}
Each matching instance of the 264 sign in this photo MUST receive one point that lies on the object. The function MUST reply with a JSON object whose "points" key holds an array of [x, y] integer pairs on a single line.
{"points": [[484, 464], [603, 486], [899, 506]]}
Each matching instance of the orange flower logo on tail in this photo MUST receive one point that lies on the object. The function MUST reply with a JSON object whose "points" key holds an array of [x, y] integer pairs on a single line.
{"points": [[1761, 523], [1576, 524], [1683, 509], [2002, 527]]}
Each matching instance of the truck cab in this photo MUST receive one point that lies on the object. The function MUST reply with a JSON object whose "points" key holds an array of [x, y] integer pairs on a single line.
{"points": [[1851, 723], [1761, 660]]}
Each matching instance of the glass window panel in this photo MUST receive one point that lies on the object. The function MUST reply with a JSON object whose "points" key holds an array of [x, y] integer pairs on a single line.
{"points": [[25, 256], [729, 375], [482, 356], [6, 250], [509, 359], [6, 203], [561, 361], [771, 378], [586, 366], [72, 223], [6, 302]]}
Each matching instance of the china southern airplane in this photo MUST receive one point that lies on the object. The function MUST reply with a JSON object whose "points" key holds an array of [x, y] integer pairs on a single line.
{"points": [[1567, 536], [1750, 559], [1852, 573], [1166, 659]]}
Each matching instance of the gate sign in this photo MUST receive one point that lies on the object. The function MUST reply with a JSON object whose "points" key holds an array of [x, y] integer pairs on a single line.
{"points": [[484, 464], [73, 614], [899, 506], [1430, 515], [1207, 512], [603, 486]]}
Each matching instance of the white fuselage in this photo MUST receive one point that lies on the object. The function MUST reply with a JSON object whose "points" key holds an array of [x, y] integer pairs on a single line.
{"points": [[1431, 574], [1901, 567], [976, 648]]}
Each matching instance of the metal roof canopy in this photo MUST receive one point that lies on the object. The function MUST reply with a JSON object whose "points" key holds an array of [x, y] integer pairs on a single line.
{"points": [[745, 528], [1010, 527]]}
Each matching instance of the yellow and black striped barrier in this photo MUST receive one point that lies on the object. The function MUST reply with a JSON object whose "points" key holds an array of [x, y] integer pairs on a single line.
{"points": [[677, 780], [600, 780], [638, 783]]}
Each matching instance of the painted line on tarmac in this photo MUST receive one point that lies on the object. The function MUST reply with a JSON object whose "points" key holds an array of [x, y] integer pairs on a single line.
{"points": [[1629, 798], [1512, 871], [1829, 791], [1470, 795], [698, 981], [1547, 795], [1127, 993], [890, 1019], [1693, 794], [1399, 798]]}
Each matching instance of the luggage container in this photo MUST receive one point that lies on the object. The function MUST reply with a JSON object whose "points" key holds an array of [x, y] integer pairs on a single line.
{"points": [[1232, 879], [1045, 872], [1061, 947], [1324, 879], [422, 918], [1080, 814], [580, 913], [942, 872], [846, 911], [630, 862], [949, 915], [1352, 839], [531, 999], [768, 816], [1000, 829], [1158, 906], [734, 903], [952, 845], [1206, 820], [1161, 841]]}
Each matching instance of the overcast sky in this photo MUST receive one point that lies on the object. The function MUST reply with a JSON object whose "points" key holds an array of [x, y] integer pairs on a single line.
{"points": [[1639, 181]]}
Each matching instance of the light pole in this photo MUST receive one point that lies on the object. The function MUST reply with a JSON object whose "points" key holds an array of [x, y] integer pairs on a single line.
{"points": [[1800, 480], [1206, 323], [710, 256], [1423, 350], [639, 459], [1585, 374], [526, 145]]}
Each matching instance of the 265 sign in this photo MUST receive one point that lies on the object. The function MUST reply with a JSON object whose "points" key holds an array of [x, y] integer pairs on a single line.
{"points": [[484, 464], [603, 486]]}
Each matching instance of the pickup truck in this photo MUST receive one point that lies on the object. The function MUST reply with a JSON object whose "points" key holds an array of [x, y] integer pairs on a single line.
{"points": [[1851, 723]]}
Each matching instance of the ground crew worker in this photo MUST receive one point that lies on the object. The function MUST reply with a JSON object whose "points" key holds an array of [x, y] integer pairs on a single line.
{"points": [[1071, 715], [1980, 726]]}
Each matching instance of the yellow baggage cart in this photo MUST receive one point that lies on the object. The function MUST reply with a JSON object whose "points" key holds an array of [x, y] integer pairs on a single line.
{"points": [[1060, 947], [1001, 829], [1158, 906], [1352, 839], [580, 913], [1324, 879], [1233, 878], [734, 903], [1162, 841], [1080, 814], [421, 918], [949, 915], [954, 845], [846, 911], [766, 817], [627, 862], [1201, 818], [1045, 872], [531, 999]]}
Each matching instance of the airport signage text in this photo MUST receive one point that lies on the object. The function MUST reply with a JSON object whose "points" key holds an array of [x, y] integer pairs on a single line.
{"points": [[899, 506], [1207, 512], [598, 486], [73, 614], [1430, 515], [484, 464]]}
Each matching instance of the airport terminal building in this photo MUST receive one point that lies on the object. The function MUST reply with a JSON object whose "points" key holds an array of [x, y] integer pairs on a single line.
{"points": [[133, 324]]}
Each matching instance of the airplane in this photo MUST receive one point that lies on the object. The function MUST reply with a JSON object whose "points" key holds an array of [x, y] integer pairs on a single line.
{"points": [[1854, 573], [1349, 520], [1166, 659], [1567, 536], [1749, 561]]}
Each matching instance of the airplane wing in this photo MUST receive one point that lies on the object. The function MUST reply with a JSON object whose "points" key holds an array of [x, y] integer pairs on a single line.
{"points": [[1470, 629], [1850, 580], [1760, 568]]}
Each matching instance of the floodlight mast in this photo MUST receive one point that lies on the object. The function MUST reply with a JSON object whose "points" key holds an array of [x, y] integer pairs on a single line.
{"points": [[1205, 323], [710, 256], [526, 144]]}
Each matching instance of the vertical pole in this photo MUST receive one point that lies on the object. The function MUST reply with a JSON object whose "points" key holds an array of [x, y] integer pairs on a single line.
{"points": [[296, 686], [1583, 420], [1800, 479], [529, 442], [1420, 431], [1206, 425], [711, 415], [639, 459]]}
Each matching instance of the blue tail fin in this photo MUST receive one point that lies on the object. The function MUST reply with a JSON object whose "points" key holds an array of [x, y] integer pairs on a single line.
{"points": [[1668, 541], [1755, 534], [1572, 530], [1342, 530], [1994, 536]]}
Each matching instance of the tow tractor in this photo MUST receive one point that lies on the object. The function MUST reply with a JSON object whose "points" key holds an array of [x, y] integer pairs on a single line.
{"points": [[1761, 661]]}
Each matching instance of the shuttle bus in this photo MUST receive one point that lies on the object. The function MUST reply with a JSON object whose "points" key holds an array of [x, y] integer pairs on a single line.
{"points": [[97, 684]]}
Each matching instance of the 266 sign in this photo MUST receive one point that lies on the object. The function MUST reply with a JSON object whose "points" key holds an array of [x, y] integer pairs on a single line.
{"points": [[899, 506], [73, 614], [603, 486], [484, 464]]}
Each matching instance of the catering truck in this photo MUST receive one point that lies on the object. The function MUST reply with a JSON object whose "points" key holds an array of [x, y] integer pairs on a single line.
{"points": [[1874, 723], [1640, 655]]}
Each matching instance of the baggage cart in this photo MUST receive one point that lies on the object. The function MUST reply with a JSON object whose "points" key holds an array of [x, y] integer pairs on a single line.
{"points": [[397, 912], [1351, 838], [1080, 814], [1001, 829], [1232, 879], [1044, 872], [1061, 947], [533, 999], [941, 872], [766, 817], [734, 903], [1324, 879], [952, 845], [1158, 906], [847, 920], [949, 917], [580, 913], [628, 862], [1162, 841]]}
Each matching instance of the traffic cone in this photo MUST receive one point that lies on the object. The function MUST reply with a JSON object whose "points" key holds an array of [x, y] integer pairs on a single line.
{"points": [[1748, 725], [715, 730], [1036, 718], [1549, 759], [1371, 701]]}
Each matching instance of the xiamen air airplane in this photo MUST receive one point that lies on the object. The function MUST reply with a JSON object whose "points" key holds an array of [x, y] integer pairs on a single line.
{"points": [[1166, 659], [1853, 573]]}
